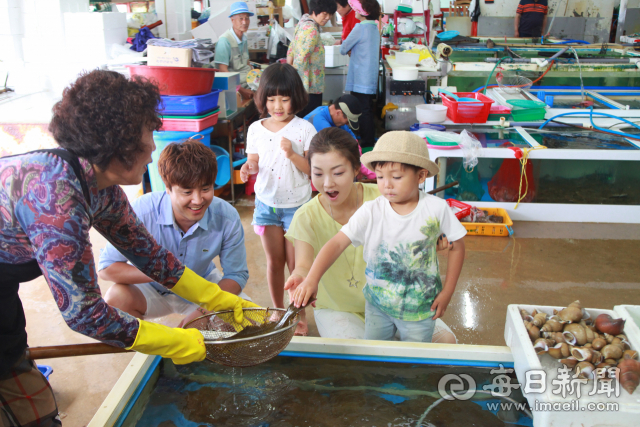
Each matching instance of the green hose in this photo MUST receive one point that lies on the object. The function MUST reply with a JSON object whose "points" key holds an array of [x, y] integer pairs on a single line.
{"points": [[484, 91]]}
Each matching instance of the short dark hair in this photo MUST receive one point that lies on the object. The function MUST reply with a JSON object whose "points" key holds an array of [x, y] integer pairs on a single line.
{"points": [[343, 3], [372, 7], [187, 164], [336, 105], [404, 166], [283, 80], [316, 7], [336, 139], [101, 116]]}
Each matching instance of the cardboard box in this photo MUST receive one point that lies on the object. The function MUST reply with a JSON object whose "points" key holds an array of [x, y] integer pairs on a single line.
{"points": [[168, 56]]}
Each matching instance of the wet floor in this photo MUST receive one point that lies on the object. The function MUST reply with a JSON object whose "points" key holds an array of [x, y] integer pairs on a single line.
{"points": [[544, 264]]}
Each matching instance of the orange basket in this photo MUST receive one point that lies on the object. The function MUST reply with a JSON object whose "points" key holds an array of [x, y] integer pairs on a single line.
{"points": [[488, 229]]}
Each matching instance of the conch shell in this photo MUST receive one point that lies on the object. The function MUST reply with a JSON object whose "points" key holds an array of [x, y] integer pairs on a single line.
{"points": [[539, 319], [629, 374], [552, 325], [526, 315], [585, 370], [559, 351], [534, 332], [598, 343], [584, 354], [572, 313], [612, 351], [578, 332], [570, 362], [607, 324]]}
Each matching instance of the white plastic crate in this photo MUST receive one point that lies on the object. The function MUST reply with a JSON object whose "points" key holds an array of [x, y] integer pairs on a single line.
{"points": [[525, 359]]}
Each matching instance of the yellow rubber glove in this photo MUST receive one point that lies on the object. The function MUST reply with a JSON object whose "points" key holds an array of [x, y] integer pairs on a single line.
{"points": [[209, 295], [180, 345]]}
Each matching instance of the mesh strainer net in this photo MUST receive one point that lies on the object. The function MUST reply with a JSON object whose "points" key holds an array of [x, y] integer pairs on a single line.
{"points": [[243, 352]]}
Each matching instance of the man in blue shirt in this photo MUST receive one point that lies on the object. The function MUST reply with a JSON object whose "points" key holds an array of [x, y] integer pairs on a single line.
{"points": [[344, 111], [191, 223]]}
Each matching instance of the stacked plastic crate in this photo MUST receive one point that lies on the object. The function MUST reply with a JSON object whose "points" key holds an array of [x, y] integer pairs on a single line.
{"points": [[185, 117]]}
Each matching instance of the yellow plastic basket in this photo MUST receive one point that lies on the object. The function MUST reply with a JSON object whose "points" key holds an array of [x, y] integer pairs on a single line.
{"points": [[496, 230]]}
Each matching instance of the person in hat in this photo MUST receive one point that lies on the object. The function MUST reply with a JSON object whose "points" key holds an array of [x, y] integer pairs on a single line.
{"points": [[399, 233], [339, 310], [344, 113], [232, 49]]}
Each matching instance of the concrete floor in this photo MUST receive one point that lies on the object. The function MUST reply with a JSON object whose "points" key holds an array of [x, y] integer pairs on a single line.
{"points": [[546, 264]]}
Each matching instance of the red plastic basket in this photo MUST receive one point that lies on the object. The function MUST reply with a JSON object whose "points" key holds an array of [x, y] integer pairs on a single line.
{"points": [[465, 209], [468, 112], [177, 81], [193, 125]]}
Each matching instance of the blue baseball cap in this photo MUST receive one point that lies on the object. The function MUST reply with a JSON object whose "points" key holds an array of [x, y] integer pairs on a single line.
{"points": [[238, 8]]}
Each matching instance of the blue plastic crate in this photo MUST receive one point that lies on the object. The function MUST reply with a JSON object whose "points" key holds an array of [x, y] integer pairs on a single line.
{"points": [[164, 138], [190, 105]]}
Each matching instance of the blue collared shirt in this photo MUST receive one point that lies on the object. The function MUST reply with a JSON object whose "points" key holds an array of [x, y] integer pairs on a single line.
{"points": [[364, 44], [320, 118], [219, 232]]}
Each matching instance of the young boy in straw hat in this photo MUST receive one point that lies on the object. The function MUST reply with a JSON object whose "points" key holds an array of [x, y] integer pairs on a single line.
{"points": [[399, 231]]}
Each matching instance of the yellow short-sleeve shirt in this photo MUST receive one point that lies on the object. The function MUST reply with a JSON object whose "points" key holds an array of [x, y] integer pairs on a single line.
{"points": [[313, 225]]}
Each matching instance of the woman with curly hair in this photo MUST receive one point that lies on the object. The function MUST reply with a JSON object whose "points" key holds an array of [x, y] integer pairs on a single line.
{"points": [[49, 199]]}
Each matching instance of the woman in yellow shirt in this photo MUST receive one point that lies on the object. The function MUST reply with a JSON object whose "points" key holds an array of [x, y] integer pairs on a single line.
{"points": [[339, 312]]}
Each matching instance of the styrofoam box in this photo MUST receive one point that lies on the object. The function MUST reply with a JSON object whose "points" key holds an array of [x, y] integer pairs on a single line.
{"points": [[10, 21], [335, 60], [632, 314], [525, 359], [332, 50], [91, 22]]}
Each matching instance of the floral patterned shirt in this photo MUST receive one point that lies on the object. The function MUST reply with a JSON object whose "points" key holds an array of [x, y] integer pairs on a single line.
{"points": [[44, 216], [308, 54]]}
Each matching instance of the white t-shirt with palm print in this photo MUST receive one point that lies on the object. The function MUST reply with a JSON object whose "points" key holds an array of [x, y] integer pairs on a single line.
{"points": [[402, 271]]}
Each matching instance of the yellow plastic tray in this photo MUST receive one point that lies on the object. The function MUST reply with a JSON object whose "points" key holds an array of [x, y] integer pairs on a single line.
{"points": [[496, 230]]}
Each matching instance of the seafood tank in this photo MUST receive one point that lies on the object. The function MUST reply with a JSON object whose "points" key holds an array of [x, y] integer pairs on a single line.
{"points": [[289, 391]]}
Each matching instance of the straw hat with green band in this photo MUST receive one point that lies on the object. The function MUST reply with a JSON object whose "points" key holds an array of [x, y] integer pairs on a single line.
{"points": [[401, 147]]}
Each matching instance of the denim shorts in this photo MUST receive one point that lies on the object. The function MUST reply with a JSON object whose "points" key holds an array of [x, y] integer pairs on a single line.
{"points": [[265, 215], [380, 326]]}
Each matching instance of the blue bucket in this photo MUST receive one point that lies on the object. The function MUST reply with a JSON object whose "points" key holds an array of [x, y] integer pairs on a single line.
{"points": [[224, 168], [164, 138]]}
